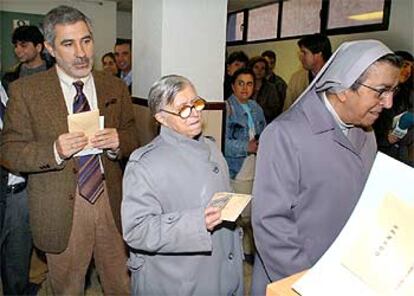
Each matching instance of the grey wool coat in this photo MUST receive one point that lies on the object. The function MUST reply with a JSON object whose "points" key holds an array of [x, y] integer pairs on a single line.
{"points": [[167, 186], [309, 177]]}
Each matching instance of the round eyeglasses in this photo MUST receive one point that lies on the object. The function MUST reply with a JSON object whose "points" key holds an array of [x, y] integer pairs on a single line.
{"points": [[198, 104]]}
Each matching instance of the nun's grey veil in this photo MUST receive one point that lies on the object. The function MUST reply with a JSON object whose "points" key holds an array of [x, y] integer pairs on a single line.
{"points": [[346, 65]]}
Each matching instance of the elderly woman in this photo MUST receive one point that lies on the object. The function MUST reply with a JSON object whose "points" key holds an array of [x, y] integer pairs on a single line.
{"points": [[179, 245], [314, 159]]}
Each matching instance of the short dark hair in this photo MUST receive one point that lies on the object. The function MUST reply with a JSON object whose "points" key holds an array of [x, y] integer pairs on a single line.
{"points": [[317, 43], [239, 72], [120, 41], [237, 56], [270, 54], [28, 34]]}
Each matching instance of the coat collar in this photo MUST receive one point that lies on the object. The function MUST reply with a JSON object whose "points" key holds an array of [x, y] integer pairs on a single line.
{"points": [[321, 121]]}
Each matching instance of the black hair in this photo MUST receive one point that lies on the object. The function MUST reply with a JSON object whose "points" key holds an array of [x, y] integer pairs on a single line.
{"points": [[120, 41], [241, 71], [317, 43], [28, 34], [237, 56], [270, 54]]}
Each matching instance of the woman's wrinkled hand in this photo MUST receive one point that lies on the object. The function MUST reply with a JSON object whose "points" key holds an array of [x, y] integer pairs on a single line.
{"points": [[212, 217]]}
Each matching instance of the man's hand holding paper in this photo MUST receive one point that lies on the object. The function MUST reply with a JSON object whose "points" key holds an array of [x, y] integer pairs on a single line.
{"points": [[107, 138], [90, 124]]}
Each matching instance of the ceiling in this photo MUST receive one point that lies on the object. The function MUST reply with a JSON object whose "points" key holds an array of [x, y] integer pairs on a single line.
{"points": [[233, 5]]}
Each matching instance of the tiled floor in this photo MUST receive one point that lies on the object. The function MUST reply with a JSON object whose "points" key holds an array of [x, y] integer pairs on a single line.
{"points": [[95, 288]]}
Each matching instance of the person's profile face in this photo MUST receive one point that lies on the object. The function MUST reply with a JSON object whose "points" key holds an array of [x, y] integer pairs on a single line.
{"points": [[406, 71], [271, 62], [307, 58], [73, 49], [233, 67], [109, 65], [243, 87], [26, 51], [364, 105], [123, 57], [189, 127]]}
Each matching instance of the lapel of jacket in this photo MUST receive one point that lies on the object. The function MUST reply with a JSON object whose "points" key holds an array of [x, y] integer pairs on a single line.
{"points": [[105, 96], [54, 102], [100, 91]]}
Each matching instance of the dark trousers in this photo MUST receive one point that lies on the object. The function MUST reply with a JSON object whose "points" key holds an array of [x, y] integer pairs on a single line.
{"points": [[15, 243]]}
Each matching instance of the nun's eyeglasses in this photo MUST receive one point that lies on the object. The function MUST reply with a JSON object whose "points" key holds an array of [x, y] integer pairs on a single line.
{"points": [[185, 111], [383, 92]]}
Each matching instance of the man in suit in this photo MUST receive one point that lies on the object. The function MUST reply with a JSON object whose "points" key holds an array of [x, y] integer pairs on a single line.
{"points": [[74, 201], [313, 160]]}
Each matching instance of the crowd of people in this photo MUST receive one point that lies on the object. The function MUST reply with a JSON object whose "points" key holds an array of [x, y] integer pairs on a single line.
{"points": [[150, 227]]}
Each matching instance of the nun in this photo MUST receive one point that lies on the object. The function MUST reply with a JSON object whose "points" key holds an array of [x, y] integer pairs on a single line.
{"points": [[313, 160]]}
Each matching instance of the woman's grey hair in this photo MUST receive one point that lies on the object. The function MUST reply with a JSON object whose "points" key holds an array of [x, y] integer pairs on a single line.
{"points": [[391, 59], [163, 91], [62, 15]]}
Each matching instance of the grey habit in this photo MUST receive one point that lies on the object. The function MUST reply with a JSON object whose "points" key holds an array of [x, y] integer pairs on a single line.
{"points": [[309, 175], [167, 186]]}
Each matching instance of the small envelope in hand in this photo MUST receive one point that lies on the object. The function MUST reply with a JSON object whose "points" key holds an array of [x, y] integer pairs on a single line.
{"points": [[231, 204], [87, 122]]}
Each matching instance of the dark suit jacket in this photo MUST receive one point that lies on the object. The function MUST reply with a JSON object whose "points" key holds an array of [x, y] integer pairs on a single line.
{"points": [[36, 116]]}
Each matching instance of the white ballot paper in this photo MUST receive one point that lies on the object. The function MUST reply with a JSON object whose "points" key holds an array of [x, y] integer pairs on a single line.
{"points": [[88, 122], [374, 253], [231, 204]]}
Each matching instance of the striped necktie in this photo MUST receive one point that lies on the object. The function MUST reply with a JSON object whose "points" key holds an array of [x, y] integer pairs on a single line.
{"points": [[90, 180]]}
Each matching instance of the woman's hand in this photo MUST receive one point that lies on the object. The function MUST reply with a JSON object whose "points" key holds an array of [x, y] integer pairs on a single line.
{"points": [[212, 217], [252, 146]]}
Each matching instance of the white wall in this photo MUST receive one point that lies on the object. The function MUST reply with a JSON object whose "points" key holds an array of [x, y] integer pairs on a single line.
{"points": [[185, 37], [102, 13], [400, 36], [124, 25]]}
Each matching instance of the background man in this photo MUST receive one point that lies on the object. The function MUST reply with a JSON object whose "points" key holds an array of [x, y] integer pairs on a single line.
{"points": [[124, 61], [315, 50], [313, 161], [74, 201], [15, 236], [28, 48], [278, 81]]}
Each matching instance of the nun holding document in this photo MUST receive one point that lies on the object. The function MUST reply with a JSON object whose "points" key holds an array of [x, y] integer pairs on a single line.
{"points": [[178, 243], [314, 159]]}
